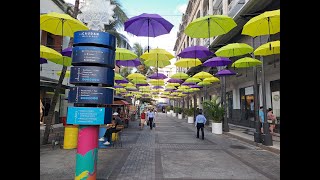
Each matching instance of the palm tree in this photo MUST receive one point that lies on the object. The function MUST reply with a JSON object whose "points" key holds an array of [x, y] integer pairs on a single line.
{"points": [[139, 50], [122, 41]]}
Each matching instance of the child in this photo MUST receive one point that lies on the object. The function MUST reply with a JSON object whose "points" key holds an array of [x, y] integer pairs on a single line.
{"points": [[143, 119]]}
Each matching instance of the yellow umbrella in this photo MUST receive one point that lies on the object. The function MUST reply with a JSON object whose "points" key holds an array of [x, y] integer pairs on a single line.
{"points": [[193, 80], [211, 79], [61, 24], [269, 48], [234, 49], [195, 89], [246, 62], [67, 73], [264, 24], [180, 76], [117, 76], [139, 81], [157, 54], [136, 76], [202, 75], [183, 87], [204, 83], [152, 81], [173, 84], [53, 56], [155, 63], [120, 89], [188, 62], [124, 54]]}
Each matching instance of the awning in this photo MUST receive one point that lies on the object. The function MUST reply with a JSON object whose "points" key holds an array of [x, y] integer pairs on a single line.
{"points": [[121, 102]]}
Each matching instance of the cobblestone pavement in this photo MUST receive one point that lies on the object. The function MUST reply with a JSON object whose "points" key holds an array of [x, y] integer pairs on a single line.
{"points": [[171, 151]]}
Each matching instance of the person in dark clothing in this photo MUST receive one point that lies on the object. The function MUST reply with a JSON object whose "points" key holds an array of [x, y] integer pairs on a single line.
{"points": [[111, 128]]}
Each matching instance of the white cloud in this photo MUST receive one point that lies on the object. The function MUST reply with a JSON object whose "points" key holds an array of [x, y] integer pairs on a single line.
{"points": [[182, 8]]}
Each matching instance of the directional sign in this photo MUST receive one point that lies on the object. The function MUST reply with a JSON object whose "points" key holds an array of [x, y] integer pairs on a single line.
{"points": [[94, 38], [92, 74], [85, 115], [93, 55], [90, 95]]}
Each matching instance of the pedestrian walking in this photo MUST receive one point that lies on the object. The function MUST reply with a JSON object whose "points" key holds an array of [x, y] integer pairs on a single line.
{"points": [[150, 118], [261, 117], [143, 119], [199, 123], [271, 120]]}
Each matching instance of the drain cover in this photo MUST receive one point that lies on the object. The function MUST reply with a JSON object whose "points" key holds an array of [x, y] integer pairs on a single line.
{"points": [[237, 147]]}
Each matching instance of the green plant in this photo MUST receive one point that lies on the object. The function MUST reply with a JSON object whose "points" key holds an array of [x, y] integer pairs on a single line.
{"points": [[189, 112], [168, 108], [179, 110], [175, 109], [214, 109]]}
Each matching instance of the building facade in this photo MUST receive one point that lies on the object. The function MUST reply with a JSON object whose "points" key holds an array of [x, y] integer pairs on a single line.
{"points": [[239, 88]]}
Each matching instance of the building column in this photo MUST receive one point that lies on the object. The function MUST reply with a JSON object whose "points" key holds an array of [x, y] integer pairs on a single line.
{"points": [[210, 7], [225, 7]]}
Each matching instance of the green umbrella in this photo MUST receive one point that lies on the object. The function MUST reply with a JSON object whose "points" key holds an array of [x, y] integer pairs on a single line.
{"points": [[245, 63], [234, 49], [124, 54]]}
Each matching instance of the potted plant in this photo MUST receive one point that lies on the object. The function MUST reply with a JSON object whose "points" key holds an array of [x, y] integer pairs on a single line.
{"points": [[171, 110], [175, 111], [179, 113], [215, 111], [189, 113], [168, 108]]}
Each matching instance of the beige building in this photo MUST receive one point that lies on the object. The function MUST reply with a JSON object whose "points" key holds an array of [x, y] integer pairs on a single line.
{"points": [[239, 88]]}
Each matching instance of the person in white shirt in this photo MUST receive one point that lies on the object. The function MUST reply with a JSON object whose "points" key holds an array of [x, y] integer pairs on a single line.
{"points": [[150, 117], [199, 123]]}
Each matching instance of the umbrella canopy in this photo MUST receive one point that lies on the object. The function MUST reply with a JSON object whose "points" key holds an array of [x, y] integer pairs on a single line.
{"points": [[172, 80], [204, 83], [188, 83], [124, 54], [67, 73], [211, 79], [209, 26], [67, 52], [136, 76], [194, 89], [217, 61], [156, 63], [154, 81], [188, 62], [117, 76], [61, 24], [225, 72], [234, 49], [143, 84], [53, 56], [264, 24], [180, 76], [195, 52], [192, 80], [246, 62], [157, 54], [195, 86], [173, 84], [139, 81], [269, 48], [120, 89], [128, 63], [157, 87], [202, 75], [121, 81], [157, 76], [183, 87], [43, 61]]}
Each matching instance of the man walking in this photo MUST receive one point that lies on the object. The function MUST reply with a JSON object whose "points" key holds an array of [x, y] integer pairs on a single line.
{"points": [[199, 123], [150, 117]]}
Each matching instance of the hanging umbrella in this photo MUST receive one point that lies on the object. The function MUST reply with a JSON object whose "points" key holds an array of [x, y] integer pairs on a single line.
{"points": [[211, 79], [43, 61], [217, 61], [204, 83], [209, 26], [118, 86], [180, 76], [266, 23], [67, 52], [173, 84], [245, 63], [128, 63], [225, 72], [67, 73], [196, 86], [157, 87], [142, 84], [270, 48], [194, 89], [157, 76], [192, 80], [172, 80], [121, 81], [188, 83], [139, 81], [188, 62], [124, 54], [117, 76], [195, 52], [183, 87], [170, 87], [157, 64], [234, 49], [202, 75], [53, 56], [156, 57], [136, 76], [148, 25]]}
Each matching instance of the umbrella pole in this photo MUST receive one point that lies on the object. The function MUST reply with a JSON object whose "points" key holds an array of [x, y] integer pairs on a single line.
{"points": [[209, 32], [148, 34]]}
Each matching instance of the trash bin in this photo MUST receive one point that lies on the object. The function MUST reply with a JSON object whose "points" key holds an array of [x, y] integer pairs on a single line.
{"points": [[70, 137]]}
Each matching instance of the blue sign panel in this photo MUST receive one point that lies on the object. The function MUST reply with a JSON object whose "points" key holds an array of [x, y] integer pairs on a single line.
{"points": [[85, 115], [93, 55], [92, 74], [94, 37], [90, 95]]}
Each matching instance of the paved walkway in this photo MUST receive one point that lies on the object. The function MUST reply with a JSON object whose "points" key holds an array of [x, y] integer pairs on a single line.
{"points": [[170, 152]]}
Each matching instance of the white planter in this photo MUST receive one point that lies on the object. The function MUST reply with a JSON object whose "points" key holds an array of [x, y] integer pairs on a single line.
{"points": [[168, 113], [179, 116], [173, 114], [171, 111], [217, 128], [190, 119]]}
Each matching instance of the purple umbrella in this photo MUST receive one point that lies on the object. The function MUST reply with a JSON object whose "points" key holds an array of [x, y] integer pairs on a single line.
{"points": [[168, 90], [121, 81], [217, 61], [43, 61], [157, 76], [128, 63], [132, 89], [142, 84], [188, 83], [195, 86], [117, 86], [67, 52], [157, 87], [225, 72], [148, 25], [172, 80], [195, 52]]}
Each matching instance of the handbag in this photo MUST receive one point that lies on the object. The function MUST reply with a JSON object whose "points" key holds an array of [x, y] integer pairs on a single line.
{"points": [[145, 123], [154, 125]]}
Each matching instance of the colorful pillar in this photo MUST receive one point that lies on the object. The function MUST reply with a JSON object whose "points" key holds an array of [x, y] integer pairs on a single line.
{"points": [[93, 60]]}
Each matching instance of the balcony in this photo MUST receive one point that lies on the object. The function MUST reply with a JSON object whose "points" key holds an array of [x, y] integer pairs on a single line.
{"points": [[235, 6]]}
